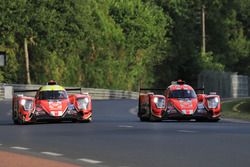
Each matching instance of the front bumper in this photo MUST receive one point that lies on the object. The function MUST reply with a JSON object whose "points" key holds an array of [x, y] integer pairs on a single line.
{"points": [[43, 116], [198, 114]]}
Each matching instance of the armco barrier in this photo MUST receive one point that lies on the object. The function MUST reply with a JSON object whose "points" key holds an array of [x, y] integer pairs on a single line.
{"points": [[1, 91], [95, 93]]}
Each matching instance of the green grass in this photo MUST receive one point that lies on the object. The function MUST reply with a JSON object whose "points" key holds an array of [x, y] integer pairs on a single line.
{"points": [[239, 109]]}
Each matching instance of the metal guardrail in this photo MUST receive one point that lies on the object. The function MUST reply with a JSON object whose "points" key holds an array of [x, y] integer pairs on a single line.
{"points": [[1, 92], [6, 92], [95, 93]]}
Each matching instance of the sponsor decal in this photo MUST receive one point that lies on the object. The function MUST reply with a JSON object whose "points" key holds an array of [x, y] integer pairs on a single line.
{"points": [[56, 113], [186, 103], [187, 112], [55, 105]]}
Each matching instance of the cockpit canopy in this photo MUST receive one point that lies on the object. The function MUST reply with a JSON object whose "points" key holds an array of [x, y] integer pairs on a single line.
{"points": [[55, 94], [182, 94]]}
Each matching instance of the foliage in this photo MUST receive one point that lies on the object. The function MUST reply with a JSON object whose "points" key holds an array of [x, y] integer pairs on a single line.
{"points": [[122, 44]]}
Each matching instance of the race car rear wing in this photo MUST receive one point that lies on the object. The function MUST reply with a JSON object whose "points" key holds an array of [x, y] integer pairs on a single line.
{"points": [[74, 90], [22, 91], [152, 90], [35, 90], [202, 91], [199, 90]]}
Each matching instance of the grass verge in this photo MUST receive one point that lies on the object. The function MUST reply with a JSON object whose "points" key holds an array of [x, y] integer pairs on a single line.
{"points": [[239, 109]]}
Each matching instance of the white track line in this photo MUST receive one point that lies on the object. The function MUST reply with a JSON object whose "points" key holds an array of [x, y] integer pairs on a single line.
{"points": [[91, 161], [125, 126], [19, 148], [186, 131], [133, 111], [9, 113], [52, 154]]}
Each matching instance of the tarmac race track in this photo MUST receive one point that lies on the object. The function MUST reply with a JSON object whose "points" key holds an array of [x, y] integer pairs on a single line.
{"points": [[116, 138]]}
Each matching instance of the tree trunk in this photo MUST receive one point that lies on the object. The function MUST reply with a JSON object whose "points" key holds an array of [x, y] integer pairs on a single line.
{"points": [[27, 61]]}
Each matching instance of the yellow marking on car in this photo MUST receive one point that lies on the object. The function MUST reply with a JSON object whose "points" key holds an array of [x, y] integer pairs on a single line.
{"points": [[51, 88]]}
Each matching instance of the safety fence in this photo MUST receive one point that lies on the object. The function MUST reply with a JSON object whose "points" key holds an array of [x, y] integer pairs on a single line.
{"points": [[8, 89], [226, 84]]}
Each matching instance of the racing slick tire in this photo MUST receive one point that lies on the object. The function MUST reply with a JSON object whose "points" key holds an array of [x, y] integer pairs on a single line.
{"points": [[153, 118], [16, 118], [214, 120], [89, 120], [144, 115], [150, 118], [144, 119], [19, 121], [86, 120], [200, 120], [207, 120]]}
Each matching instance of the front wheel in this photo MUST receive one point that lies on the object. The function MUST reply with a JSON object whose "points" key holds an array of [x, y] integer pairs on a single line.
{"points": [[144, 119], [154, 119], [214, 120], [87, 120]]}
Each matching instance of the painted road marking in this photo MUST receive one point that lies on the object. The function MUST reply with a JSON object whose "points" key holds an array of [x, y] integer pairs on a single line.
{"points": [[52, 154], [91, 161], [9, 113], [19, 148], [125, 126], [186, 131], [133, 111]]}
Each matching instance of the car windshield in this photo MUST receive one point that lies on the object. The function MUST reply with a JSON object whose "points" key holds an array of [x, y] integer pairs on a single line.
{"points": [[182, 94], [57, 94]]}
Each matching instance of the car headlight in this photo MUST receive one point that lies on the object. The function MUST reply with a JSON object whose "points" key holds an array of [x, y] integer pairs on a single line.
{"points": [[160, 102], [27, 104], [213, 102], [83, 103]]}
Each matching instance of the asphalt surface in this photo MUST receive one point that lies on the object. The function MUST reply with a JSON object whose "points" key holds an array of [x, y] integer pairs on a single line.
{"points": [[116, 138]]}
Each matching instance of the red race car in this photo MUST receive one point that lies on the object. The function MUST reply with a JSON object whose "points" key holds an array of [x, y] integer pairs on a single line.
{"points": [[178, 102], [51, 103]]}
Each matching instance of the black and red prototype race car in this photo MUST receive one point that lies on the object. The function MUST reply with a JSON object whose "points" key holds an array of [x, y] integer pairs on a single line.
{"points": [[51, 103], [178, 102]]}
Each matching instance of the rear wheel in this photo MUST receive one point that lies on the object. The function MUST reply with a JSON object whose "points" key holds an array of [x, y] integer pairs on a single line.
{"points": [[143, 115], [16, 118], [15, 122], [20, 122]]}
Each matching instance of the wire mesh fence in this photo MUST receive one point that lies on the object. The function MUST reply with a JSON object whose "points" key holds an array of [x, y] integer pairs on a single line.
{"points": [[226, 84]]}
